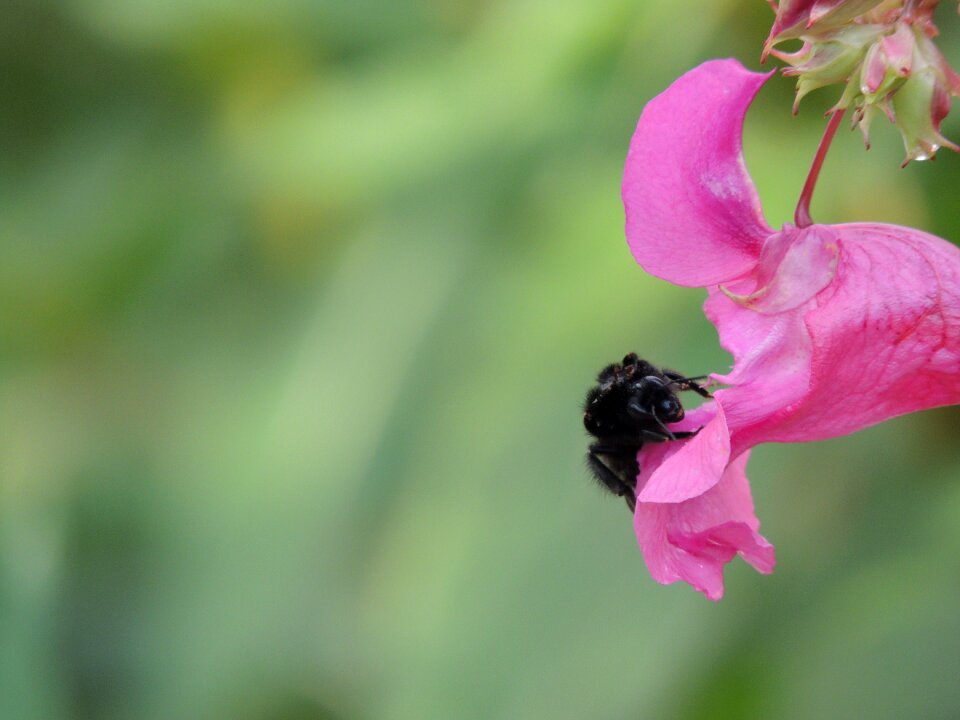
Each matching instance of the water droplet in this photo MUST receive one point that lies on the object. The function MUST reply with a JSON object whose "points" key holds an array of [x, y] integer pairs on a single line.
{"points": [[921, 156]]}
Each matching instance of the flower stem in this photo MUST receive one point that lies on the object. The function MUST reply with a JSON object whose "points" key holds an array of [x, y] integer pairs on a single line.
{"points": [[802, 215]]}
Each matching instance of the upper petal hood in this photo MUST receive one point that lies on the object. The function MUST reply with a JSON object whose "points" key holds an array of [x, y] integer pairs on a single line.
{"points": [[693, 214]]}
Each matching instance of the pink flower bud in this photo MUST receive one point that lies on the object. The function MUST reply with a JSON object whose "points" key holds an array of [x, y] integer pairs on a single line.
{"points": [[797, 18]]}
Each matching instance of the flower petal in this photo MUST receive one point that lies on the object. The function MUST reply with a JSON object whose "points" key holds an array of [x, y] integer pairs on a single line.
{"points": [[677, 471], [794, 266], [692, 541], [772, 366], [883, 339], [693, 214]]}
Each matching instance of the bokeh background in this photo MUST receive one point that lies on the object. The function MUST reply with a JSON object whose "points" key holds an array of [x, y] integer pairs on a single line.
{"points": [[298, 303]]}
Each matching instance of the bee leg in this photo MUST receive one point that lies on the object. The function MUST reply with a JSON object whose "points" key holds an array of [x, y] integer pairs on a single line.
{"points": [[687, 383], [654, 436], [606, 476], [658, 437]]}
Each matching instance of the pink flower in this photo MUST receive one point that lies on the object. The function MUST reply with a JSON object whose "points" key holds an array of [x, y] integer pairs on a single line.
{"points": [[832, 327]]}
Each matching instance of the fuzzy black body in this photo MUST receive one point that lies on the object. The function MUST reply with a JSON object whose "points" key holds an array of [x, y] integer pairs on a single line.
{"points": [[630, 405]]}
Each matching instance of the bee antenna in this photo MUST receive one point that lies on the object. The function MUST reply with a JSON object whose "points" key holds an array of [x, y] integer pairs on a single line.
{"points": [[681, 381]]}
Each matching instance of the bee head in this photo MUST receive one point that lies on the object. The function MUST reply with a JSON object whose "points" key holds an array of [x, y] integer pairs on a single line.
{"points": [[654, 396]]}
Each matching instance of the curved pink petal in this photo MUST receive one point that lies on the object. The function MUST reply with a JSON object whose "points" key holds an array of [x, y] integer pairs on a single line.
{"points": [[794, 266], [692, 213], [883, 339], [677, 471], [693, 540]]}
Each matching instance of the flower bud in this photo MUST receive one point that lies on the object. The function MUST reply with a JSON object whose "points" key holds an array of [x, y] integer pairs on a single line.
{"points": [[798, 18], [831, 61], [884, 54], [919, 107]]}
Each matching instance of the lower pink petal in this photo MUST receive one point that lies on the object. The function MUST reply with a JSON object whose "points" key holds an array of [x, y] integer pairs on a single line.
{"points": [[678, 471], [693, 540]]}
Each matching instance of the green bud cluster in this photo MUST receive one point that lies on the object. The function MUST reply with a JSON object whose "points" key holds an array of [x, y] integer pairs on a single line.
{"points": [[884, 55]]}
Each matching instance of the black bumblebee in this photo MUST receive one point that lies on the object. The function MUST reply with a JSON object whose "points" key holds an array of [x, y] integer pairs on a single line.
{"points": [[631, 405]]}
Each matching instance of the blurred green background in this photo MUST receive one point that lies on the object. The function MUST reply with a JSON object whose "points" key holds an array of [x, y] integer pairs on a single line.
{"points": [[298, 302]]}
